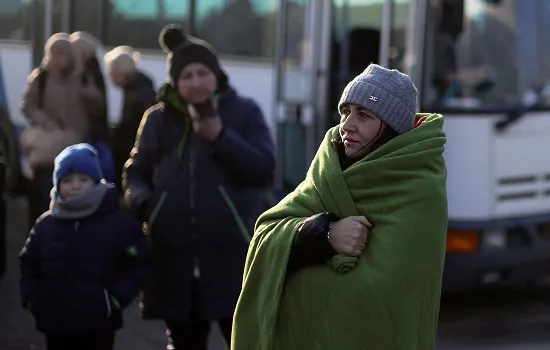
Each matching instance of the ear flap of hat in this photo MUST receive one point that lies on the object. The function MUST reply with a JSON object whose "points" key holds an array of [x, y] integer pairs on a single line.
{"points": [[223, 82], [171, 37]]}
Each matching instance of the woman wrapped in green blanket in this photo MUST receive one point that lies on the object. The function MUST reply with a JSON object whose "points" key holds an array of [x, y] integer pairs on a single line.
{"points": [[353, 257]]}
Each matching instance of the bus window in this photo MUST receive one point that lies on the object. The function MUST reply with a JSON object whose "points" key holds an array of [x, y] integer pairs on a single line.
{"points": [[398, 38], [544, 39], [356, 26], [544, 53], [477, 67], [296, 44], [239, 27], [12, 20], [138, 23], [85, 15]]}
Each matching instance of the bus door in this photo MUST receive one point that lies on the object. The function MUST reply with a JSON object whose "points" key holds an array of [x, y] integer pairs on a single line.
{"points": [[321, 46], [365, 32], [302, 59]]}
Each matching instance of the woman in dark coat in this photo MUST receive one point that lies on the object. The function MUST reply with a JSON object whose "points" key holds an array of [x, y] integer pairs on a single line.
{"points": [[197, 175]]}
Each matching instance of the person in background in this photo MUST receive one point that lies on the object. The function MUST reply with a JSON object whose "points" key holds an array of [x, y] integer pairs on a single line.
{"points": [[86, 46], [57, 105], [85, 259], [139, 94], [197, 176]]}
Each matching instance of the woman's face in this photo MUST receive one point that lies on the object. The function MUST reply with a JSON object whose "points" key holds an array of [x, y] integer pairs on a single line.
{"points": [[196, 83], [60, 60], [359, 129]]}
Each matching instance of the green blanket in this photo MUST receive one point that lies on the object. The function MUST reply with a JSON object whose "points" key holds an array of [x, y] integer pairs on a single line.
{"points": [[388, 298]]}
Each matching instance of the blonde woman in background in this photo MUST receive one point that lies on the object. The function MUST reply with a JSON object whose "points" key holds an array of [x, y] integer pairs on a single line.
{"points": [[57, 104]]}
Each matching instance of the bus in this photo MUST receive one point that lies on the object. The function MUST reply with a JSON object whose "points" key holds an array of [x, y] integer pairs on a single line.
{"points": [[483, 64]]}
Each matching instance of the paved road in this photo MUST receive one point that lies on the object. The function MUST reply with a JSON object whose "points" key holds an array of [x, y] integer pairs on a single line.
{"points": [[517, 320]]}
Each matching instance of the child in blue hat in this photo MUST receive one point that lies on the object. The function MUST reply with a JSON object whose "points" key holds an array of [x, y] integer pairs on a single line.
{"points": [[85, 259]]}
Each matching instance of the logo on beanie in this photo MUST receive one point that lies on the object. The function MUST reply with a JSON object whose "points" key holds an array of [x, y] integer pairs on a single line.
{"points": [[373, 98]]}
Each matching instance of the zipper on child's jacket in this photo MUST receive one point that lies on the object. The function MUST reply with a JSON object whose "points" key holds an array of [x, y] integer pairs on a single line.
{"points": [[75, 253]]}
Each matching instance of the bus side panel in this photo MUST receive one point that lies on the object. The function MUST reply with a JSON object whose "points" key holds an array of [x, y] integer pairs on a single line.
{"points": [[15, 66]]}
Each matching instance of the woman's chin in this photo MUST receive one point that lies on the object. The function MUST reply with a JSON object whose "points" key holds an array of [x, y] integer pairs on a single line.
{"points": [[354, 153], [198, 98]]}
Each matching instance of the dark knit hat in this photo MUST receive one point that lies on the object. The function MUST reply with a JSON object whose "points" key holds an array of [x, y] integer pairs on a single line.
{"points": [[183, 49], [81, 158], [389, 94]]}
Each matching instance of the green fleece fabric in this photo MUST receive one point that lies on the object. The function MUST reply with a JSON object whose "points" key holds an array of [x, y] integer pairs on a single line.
{"points": [[387, 299]]}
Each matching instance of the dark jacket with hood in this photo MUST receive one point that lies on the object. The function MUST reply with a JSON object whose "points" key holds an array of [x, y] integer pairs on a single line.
{"points": [[201, 201], [78, 274]]}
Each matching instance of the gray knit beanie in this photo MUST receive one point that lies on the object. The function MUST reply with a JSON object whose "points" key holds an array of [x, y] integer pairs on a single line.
{"points": [[389, 94]]}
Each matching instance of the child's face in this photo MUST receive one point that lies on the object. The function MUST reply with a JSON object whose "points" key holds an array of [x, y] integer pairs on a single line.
{"points": [[75, 185]]}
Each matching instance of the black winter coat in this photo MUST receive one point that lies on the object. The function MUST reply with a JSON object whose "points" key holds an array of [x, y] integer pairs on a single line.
{"points": [[75, 272], [100, 121], [201, 201], [139, 95]]}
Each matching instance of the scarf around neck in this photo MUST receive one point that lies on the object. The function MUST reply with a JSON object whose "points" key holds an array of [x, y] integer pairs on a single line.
{"points": [[77, 207]]}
